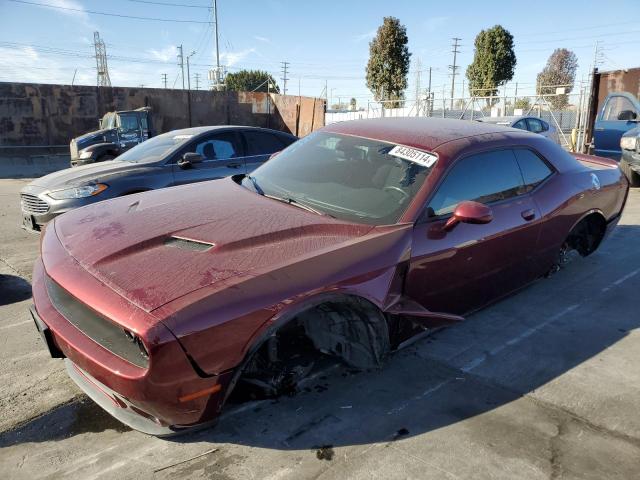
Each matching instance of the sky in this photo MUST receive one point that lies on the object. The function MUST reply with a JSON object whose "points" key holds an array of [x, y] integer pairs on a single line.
{"points": [[325, 42]]}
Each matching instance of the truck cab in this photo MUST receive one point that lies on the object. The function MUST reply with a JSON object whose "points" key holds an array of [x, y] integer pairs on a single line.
{"points": [[619, 114], [117, 132]]}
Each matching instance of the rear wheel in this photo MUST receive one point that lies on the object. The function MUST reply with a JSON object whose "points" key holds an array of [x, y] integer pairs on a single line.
{"points": [[584, 239]]}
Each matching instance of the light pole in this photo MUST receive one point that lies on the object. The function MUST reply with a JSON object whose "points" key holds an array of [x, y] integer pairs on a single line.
{"points": [[331, 96]]}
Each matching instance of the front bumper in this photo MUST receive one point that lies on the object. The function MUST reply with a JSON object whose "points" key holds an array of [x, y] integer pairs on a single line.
{"points": [[632, 159], [150, 399]]}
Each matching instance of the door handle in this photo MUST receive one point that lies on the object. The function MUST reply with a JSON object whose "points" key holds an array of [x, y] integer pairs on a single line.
{"points": [[529, 214], [234, 165]]}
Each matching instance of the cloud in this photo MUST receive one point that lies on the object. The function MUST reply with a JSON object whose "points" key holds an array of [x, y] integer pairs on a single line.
{"points": [[231, 58], [365, 36], [166, 54], [434, 23], [262, 39], [77, 11]]}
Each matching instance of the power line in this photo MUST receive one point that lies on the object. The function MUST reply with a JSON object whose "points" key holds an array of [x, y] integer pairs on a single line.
{"points": [[93, 12], [168, 4]]}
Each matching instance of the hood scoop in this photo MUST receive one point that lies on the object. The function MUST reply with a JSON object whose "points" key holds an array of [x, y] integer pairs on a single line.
{"points": [[188, 244]]}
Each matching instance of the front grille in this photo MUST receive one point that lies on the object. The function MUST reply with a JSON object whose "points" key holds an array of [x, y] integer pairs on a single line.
{"points": [[33, 204], [93, 325]]}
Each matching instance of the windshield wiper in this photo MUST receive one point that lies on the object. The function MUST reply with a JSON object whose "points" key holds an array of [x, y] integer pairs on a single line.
{"points": [[254, 182], [296, 203]]}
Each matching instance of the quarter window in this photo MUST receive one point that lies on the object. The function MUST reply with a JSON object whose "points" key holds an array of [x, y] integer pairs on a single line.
{"points": [[262, 143], [534, 169], [485, 178], [535, 125]]}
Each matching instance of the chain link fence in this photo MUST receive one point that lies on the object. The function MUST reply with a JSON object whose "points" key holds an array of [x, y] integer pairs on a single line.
{"points": [[565, 112]]}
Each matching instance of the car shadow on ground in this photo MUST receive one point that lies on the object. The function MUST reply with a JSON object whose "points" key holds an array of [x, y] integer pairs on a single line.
{"points": [[496, 356], [13, 289]]}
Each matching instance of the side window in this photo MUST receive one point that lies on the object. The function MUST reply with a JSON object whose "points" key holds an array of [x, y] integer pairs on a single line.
{"points": [[521, 124], [545, 126], [262, 143], [534, 169], [615, 105], [221, 146], [535, 125], [485, 178], [128, 123]]}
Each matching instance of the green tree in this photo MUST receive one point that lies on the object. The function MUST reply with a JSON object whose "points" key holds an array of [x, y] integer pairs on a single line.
{"points": [[560, 71], [353, 104], [493, 62], [388, 64], [251, 80], [523, 103]]}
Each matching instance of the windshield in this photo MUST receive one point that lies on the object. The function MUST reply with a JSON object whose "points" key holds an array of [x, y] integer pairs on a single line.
{"points": [[351, 178], [154, 149]]}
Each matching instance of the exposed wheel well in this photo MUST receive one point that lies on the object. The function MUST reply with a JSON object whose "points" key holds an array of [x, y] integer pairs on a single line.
{"points": [[586, 236], [348, 328]]}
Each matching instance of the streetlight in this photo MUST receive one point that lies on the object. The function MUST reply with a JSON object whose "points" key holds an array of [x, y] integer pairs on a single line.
{"points": [[188, 74]]}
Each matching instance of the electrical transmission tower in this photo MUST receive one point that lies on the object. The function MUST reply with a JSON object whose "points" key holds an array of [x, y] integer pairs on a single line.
{"points": [[285, 67], [454, 68], [101, 61]]}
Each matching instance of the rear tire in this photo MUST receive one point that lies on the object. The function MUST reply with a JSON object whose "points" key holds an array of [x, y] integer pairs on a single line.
{"points": [[633, 177]]}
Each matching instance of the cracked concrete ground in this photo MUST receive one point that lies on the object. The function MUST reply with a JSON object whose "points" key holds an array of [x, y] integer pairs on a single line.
{"points": [[544, 384]]}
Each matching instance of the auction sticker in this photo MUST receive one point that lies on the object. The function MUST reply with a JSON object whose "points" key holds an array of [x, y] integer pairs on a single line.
{"points": [[416, 156]]}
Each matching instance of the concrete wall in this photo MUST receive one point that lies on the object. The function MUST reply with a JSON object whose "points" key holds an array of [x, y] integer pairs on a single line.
{"points": [[47, 115], [37, 121]]}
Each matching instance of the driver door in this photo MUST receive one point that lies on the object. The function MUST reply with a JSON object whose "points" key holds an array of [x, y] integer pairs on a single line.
{"points": [[222, 156], [463, 269], [129, 132]]}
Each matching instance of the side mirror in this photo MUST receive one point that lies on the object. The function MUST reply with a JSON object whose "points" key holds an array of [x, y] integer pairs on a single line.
{"points": [[627, 115], [189, 159], [469, 212]]}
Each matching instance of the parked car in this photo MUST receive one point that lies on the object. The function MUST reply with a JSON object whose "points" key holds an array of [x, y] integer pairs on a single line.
{"points": [[117, 132], [531, 124], [174, 158], [630, 161], [345, 245], [620, 113]]}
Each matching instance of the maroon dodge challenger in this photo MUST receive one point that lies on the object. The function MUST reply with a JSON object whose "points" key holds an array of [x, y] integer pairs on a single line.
{"points": [[345, 245]]}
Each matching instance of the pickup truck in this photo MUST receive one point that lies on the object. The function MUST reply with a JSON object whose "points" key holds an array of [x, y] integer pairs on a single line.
{"points": [[117, 132], [620, 113]]}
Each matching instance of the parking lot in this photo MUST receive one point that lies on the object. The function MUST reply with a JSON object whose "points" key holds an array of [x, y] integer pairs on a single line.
{"points": [[544, 384]]}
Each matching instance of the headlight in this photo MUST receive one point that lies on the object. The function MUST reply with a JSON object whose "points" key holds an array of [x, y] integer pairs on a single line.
{"points": [[86, 154], [628, 143], [78, 192]]}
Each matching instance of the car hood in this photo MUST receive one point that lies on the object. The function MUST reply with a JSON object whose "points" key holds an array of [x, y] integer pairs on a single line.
{"points": [[92, 135], [84, 174], [157, 246]]}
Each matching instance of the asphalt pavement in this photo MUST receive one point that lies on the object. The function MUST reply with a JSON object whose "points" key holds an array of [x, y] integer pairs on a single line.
{"points": [[544, 384]]}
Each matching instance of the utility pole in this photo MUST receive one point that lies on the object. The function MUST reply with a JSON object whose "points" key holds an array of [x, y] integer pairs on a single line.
{"points": [[285, 66], [197, 79], [164, 80], [181, 64], [418, 67], [217, 76], [101, 61], [454, 68]]}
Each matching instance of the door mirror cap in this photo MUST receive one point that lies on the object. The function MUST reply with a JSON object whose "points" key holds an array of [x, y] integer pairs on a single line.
{"points": [[469, 212], [189, 159], [628, 115]]}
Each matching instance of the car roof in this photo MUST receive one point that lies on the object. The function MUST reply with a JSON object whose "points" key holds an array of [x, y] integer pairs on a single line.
{"points": [[211, 128], [426, 133]]}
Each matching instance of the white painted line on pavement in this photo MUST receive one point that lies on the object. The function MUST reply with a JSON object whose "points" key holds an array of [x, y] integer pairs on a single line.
{"points": [[517, 339], [11, 325], [621, 280]]}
